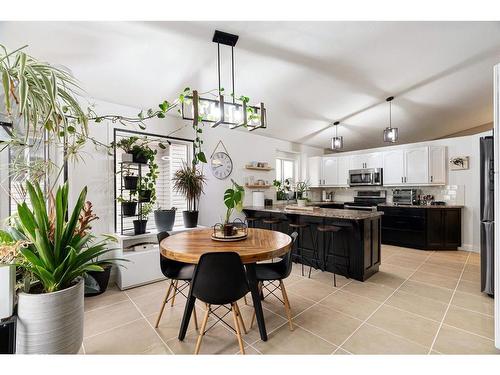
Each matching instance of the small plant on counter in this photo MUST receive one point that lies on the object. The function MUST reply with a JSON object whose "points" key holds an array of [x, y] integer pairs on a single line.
{"points": [[282, 189], [300, 189], [233, 199]]}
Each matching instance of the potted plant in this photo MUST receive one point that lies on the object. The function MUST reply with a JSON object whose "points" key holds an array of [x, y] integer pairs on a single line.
{"points": [[129, 205], [189, 181], [130, 181], [233, 199], [59, 250], [126, 144], [282, 189], [141, 223], [164, 219], [141, 152], [300, 189], [96, 282], [8, 253]]}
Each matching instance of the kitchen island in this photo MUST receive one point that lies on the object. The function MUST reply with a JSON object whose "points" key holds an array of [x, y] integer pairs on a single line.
{"points": [[359, 238]]}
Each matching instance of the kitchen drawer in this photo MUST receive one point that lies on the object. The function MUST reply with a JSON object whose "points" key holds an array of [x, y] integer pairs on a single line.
{"points": [[403, 211], [404, 222]]}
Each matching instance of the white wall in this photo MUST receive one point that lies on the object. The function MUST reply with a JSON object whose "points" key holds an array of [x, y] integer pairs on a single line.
{"points": [[467, 180], [96, 171]]}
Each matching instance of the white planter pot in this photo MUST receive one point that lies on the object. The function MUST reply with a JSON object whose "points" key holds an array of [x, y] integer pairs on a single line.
{"points": [[50, 323], [301, 202], [126, 157], [7, 285]]}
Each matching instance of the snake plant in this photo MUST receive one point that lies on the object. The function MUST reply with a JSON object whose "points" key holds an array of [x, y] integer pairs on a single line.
{"points": [[58, 246]]}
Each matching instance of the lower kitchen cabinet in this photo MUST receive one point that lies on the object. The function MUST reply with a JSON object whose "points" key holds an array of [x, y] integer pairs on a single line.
{"points": [[422, 227]]}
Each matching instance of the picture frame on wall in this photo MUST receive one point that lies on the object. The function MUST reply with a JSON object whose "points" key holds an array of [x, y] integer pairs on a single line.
{"points": [[458, 163]]}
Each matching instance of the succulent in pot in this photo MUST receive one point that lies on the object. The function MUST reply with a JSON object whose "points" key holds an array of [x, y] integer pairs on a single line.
{"points": [[58, 250], [189, 181], [301, 188], [233, 199]]}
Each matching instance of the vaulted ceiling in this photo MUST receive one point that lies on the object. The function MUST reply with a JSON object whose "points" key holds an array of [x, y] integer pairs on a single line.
{"points": [[309, 74]]}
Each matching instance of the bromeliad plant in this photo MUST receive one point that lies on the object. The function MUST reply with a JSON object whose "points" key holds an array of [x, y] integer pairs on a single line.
{"points": [[58, 246]]}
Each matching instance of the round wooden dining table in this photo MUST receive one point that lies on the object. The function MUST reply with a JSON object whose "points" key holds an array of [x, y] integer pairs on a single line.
{"points": [[260, 245]]}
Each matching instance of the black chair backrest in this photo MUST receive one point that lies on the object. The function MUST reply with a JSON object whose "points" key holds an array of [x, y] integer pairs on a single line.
{"points": [[219, 278], [169, 268], [286, 261]]}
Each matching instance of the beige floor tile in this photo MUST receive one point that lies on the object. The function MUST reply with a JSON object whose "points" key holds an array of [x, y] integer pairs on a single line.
{"points": [[426, 290], [391, 276], [470, 321], [297, 304], [327, 279], [330, 325], [471, 287], [341, 351], [451, 256], [99, 320], [110, 296], [440, 270], [474, 258], [424, 306], [453, 341], [482, 304], [134, 338], [403, 261], [351, 304], [313, 290], [405, 324], [149, 288], [471, 276], [217, 340], [445, 263], [372, 340], [298, 341], [370, 290], [473, 268], [171, 321], [435, 279]]}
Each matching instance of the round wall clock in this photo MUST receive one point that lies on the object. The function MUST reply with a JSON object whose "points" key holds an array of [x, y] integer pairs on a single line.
{"points": [[220, 163]]}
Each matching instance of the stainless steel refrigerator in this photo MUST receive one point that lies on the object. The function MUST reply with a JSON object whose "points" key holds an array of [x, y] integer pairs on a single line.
{"points": [[487, 215]]}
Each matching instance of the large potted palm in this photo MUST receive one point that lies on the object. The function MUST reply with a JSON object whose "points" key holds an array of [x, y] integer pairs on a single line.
{"points": [[58, 250], [189, 181]]}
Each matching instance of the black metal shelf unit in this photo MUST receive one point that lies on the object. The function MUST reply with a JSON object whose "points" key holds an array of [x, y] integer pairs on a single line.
{"points": [[130, 167]]}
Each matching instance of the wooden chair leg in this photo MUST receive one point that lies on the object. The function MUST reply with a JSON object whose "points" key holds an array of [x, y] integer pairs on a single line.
{"points": [[202, 331], [175, 292], [287, 304], [253, 319], [240, 318], [195, 318], [237, 327], [165, 300]]}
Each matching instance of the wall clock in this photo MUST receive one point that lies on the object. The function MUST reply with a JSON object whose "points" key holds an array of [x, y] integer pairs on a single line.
{"points": [[221, 163]]}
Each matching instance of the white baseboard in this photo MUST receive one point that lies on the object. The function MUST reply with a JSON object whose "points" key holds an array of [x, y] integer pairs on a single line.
{"points": [[469, 247]]}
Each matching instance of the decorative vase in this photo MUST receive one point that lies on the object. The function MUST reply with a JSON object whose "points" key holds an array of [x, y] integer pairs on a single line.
{"points": [[128, 208], [301, 202], [190, 219], [51, 323], [102, 279], [164, 220], [130, 182], [140, 226], [7, 290]]}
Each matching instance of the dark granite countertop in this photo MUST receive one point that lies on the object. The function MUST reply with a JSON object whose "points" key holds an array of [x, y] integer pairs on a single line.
{"points": [[332, 213], [418, 206]]}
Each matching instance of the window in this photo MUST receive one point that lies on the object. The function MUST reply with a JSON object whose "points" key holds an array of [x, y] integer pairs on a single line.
{"points": [[285, 169]]}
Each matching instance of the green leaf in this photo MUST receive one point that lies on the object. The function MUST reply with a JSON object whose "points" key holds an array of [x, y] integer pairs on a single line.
{"points": [[160, 115], [201, 157], [6, 89], [162, 146]]}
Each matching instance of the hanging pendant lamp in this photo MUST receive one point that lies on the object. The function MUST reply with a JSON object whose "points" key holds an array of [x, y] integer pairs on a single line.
{"points": [[390, 133], [337, 142]]}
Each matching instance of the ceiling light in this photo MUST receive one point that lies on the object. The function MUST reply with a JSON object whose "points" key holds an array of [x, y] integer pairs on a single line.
{"points": [[217, 110], [337, 142], [390, 133]]}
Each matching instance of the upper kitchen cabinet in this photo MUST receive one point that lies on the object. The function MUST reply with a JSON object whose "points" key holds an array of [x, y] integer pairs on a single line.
{"points": [[343, 170], [437, 165], [330, 171], [314, 171], [416, 166], [393, 167], [371, 160]]}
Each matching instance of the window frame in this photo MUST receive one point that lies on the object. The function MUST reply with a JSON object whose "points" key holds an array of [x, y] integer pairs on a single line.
{"points": [[281, 160]]}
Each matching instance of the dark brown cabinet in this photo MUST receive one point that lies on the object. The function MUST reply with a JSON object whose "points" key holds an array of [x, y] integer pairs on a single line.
{"points": [[422, 228]]}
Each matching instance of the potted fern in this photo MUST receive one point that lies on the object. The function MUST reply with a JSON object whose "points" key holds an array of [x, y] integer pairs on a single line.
{"points": [[189, 181], [58, 250]]}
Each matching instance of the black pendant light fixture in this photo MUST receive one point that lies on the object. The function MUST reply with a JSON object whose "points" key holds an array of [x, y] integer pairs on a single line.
{"points": [[234, 113], [390, 133], [337, 142]]}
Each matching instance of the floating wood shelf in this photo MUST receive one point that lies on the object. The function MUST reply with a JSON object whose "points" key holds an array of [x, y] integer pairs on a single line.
{"points": [[258, 168], [257, 186]]}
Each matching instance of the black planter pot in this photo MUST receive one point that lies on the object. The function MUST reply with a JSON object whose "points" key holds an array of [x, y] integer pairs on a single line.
{"points": [[102, 279], [145, 195], [190, 219], [228, 230], [138, 157], [164, 220], [140, 226], [128, 208], [130, 182]]}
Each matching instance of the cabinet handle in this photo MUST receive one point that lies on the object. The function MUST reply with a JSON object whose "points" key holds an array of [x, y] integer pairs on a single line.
{"points": [[405, 179], [401, 179], [431, 178]]}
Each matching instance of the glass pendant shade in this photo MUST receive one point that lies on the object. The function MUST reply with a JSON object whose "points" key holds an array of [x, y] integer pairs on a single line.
{"points": [[337, 143], [390, 135]]}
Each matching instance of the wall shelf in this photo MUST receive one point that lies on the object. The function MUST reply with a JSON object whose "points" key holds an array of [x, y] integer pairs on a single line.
{"points": [[266, 169], [257, 186]]}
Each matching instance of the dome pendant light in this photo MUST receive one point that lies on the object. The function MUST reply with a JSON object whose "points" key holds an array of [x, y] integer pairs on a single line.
{"points": [[390, 133], [337, 142]]}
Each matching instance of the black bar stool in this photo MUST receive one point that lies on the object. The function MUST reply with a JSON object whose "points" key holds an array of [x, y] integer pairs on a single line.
{"points": [[295, 225], [252, 221], [272, 222], [331, 252]]}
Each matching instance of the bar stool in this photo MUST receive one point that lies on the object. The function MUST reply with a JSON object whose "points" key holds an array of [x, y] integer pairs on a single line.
{"points": [[252, 221], [331, 231], [296, 226], [273, 222]]}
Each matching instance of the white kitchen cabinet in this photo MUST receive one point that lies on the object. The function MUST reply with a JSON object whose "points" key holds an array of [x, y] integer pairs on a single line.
{"points": [[314, 171], [330, 171], [417, 166], [437, 165], [343, 170], [370, 160], [393, 167]]}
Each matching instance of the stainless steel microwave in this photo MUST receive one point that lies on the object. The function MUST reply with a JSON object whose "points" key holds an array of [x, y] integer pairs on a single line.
{"points": [[365, 177]]}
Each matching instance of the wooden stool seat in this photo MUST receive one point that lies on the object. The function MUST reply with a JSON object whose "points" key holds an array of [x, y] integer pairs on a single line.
{"points": [[298, 225], [252, 218], [271, 221], [328, 228]]}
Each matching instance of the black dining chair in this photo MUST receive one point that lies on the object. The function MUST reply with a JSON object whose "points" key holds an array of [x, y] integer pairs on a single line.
{"points": [[268, 274], [175, 271], [220, 280]]}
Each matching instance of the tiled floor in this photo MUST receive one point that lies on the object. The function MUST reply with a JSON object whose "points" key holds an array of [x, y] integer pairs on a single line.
{"points": [[421, 302]]}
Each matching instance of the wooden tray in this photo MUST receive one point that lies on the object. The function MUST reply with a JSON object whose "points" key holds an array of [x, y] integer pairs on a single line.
{"points": [[235, 237]]}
